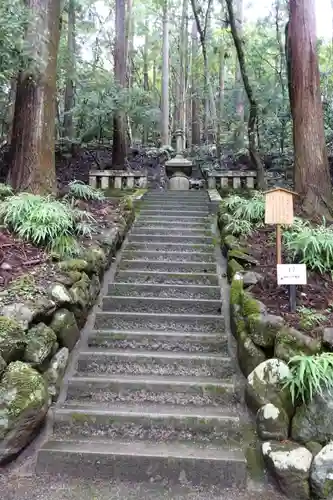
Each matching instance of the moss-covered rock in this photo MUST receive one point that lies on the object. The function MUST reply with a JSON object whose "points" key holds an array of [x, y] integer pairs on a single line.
{"points": [[24, 403], [321, 478], [243, 258], [313, 421], [290, 342], [236, 291], [94, 288], [272, 423], [251, 306], [40, 342], [22, 313], [73, 265], [64, 325], [314, 447], [248, 354], [263, 328], [230, 242], [265, 385], [233, 267], [81, 299], [3, 365], [290, 464], [55, 373], [12, 339], [96, 258], [59, 293], [69, 278]]}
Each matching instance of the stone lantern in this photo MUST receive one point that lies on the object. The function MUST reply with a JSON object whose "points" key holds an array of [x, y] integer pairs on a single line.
{"points": [[178, 169]]}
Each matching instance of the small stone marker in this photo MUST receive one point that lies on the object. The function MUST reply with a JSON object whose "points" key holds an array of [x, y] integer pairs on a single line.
{"points": [[279, 209]]}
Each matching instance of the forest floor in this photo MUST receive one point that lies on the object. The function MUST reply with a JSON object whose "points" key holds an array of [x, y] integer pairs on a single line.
{"points": [[314, 300]]}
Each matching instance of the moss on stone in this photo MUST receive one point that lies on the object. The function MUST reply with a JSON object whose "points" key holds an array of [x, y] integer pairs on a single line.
{"points": [[40, 341], [73, 265], [233, 268], [290, 342], [236, 291], [250, 306], [239, 255], [12, 339]]}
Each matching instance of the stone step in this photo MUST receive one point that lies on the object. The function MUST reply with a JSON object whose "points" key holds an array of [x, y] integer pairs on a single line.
{"points": [[161, 305], [163, 247], [142, 321], [191, 391], [180, 213], [143, 461], [174, 205], [176, 226], [170, 238], [174, 219], [167, 278], [159, 341], [172, 291], [132, 362], [172, 231], [167, 266], [169, 256], [156, 423], [174, 194]]}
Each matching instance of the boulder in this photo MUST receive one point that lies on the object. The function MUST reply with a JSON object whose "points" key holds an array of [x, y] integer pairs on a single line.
{"points": [[321, 475], [243, 258], [290, 342], [64, 325], [250, 305], [314, 447], [263, 328], [313, 421], [24, 402], [59, 293], [251, 278], [3, 365], [94, 288], [12, 339], [96, 258], [290, 464], [328, 337], [40, 342], [55, 373], [69, 278], [265, 385], [249, 355], [272, 423], [81, 299], [73, 265], [233, 267], [19, 312]]}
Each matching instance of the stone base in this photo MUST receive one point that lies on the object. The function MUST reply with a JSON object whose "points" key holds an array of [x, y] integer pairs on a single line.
{"points": [[179, 182]]}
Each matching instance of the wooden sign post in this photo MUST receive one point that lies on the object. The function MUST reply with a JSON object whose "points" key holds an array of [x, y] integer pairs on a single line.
{"points": [[279, 209]]}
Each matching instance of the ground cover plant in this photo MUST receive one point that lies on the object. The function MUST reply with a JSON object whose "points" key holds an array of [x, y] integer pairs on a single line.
{"points": [[304, 242]]}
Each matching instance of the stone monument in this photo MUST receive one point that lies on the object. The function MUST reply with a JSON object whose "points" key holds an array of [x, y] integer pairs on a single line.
{"points": [[178, 169]]}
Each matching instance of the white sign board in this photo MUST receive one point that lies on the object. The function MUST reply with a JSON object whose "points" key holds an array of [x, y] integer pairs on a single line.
{"points": [[291, 274]]}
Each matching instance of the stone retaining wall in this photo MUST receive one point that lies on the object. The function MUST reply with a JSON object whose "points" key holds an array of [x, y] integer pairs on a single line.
{"points": [[36, 340], [297, 439]]}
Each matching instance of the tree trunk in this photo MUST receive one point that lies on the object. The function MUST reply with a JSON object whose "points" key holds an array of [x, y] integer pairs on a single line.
{"points": [[165, 136], [223, 56], [251, 128], [182, 63], [146, 79], [194, 90], [33, 158], [130, 29], [70, 73], [239, 101], [312, 176], [119, 145]]}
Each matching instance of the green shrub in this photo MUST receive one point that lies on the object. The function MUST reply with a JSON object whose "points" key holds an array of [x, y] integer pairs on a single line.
{"points": [[46, 222], [310, 375], [5, 191], [237, 227], [251, 209], [310, 245], [79, 190]]}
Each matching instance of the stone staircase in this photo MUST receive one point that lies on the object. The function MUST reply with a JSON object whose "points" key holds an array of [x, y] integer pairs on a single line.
{"points": [[151, 395]]}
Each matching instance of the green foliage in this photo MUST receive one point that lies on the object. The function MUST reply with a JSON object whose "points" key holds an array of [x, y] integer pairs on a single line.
{"points": [[82, 191], [237, 227], [250, 209], [310, 318], [311, 245], [310, 375], [5, 190], [46, 222]]}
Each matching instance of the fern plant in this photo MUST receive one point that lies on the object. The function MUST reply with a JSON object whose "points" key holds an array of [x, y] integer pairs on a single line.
{"points": [[311, 245], [237, 227], [82, 191], [250, 209], [46, 222], [309, 375], [5, 191]]}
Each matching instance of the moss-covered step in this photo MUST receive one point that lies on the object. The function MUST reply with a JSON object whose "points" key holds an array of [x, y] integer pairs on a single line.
{"points": [[153, 422], [167, 390]]}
